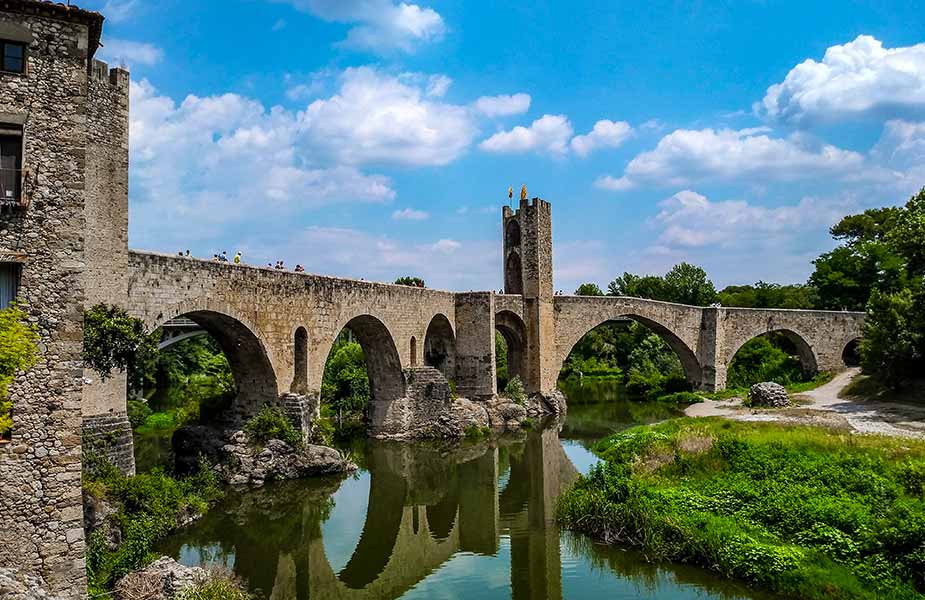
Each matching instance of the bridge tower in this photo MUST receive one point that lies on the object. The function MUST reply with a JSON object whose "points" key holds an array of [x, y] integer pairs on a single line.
{"points": [[528, 273]]}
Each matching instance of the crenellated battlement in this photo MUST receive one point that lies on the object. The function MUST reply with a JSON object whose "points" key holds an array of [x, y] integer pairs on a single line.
{"points": [[115, 76]]}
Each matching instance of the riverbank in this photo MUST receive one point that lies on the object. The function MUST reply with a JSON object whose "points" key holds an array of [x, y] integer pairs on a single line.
{"points": [[805, 512], [831, 405]]}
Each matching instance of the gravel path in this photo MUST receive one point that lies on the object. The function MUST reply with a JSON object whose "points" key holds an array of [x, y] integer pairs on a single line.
{"points": [[824, 406]]}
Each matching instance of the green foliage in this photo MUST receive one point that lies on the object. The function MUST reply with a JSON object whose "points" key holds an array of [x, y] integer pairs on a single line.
{"points": [[761, 359], [501, 372], [113, 340], [589, 289], [527, 423], [18, 352], [410, 281], [681, 398], [149, 506], [474, 432], [514, 391], [138, 413], [271, 424], [894, 337], [323, 430], [684, 283], [769, 295], [345, 384], [804, 512], [217, 588]]}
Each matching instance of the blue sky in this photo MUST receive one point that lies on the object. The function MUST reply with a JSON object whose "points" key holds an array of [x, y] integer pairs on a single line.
{"points": [[376, 138]]}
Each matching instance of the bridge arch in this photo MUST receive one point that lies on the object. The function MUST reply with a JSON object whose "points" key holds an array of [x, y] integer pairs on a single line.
{"points": [[804, 349], [851, 353], [440, 346], [514, 331], [689, 362], [251, 362], [383, 364]]}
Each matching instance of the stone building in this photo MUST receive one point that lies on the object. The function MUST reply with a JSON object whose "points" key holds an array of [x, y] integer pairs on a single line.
{"points": [[63, 160]]}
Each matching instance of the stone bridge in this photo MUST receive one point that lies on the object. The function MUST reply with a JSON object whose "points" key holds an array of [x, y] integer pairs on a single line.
{"points": [[277, 329]]}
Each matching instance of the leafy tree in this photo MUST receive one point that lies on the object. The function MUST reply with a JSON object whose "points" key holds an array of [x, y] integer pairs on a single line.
{"points": [[345, 385], [894, 337], [589, 289], [768, 295], [410, 281], [684, 283], [114, 340], [907, 235], [18, 352], [689, 284], [501, 372], [647, 286]]}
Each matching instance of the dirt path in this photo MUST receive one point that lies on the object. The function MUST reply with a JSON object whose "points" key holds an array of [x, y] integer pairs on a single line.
{"points": [[824, 406]]}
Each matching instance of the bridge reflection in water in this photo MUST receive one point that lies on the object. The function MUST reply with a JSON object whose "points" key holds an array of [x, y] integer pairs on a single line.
{"points": [[427, 503]]}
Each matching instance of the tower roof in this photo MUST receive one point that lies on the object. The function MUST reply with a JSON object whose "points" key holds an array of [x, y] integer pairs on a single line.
{"points": [[93, 20]]}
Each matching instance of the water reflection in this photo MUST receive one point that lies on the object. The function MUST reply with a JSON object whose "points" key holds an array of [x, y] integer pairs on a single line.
{"points": [[424, 521]]}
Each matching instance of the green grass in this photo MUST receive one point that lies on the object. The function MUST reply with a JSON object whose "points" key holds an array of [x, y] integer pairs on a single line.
{"points": [[818, 380], [804, 512]]}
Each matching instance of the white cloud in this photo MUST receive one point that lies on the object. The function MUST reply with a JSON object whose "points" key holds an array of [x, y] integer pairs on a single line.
{"points": [[446, 246], [690, 220], [503, 105], [605, 134], [379, 118], [549, 133], [380, 25], [118, 11], [685, 156], [130, 53], [410, 214], [208, 164], [854, 79], [437, 85]]}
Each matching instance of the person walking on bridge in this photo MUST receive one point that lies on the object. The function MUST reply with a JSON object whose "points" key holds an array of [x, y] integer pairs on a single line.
{"points": [[237, 258]]}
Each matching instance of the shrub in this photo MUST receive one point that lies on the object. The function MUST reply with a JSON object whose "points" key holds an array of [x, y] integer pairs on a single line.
{"points": [[474, 432], [221, 587], [527, 423], [514, 391], [138, 413], [681, 398], [271, 424], [18, 349], [149, 506]]}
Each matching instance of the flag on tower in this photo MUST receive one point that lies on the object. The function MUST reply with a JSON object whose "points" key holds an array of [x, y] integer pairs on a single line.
{"points": [[523, 192], [510, 192]]}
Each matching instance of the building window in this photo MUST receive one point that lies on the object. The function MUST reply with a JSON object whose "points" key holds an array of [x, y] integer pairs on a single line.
{"points": [[14, 57], [9, 283], [10, 166]]}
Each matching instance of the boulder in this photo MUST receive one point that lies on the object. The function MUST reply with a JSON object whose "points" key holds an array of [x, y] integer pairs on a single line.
{"points": [[247, 464], [469, 414], [164, 579], [768, 394]]}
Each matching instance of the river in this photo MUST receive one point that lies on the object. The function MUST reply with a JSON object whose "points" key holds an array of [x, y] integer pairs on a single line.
{"points": [[437, 520]]}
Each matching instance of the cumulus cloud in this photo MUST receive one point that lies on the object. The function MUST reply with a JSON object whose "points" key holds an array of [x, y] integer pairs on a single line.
{"points": [[375, 117], [549, 133], [685, 156], [605, 134], [860, 78], [208, 163], [690, 220], [380, 25], [446, 246], [118, 11], [130, 53], [503, 105], [410, 214]]}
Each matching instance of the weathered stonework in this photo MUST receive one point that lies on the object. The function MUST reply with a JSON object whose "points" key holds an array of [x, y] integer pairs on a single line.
{"points": [[40, 469]]}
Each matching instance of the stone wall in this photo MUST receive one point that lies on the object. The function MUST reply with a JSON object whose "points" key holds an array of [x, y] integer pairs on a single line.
{"points": [[40, 469]]}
